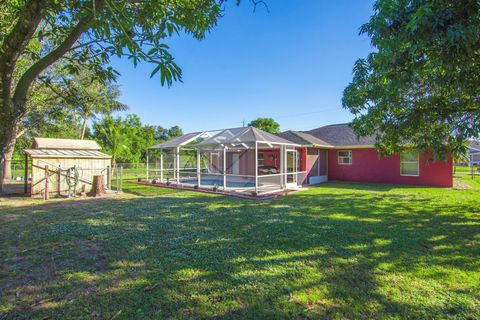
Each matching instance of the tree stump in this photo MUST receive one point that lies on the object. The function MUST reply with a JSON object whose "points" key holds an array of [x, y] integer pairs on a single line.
{"points": [[98, 188]]}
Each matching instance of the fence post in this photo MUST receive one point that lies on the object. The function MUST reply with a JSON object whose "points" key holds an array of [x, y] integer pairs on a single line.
{"points": [[199, 172], [109, 178], [161, 166], [13, 172], [59, 181], [147, 165], [121, 177], [26, 174], [224, 168], [45, 194]]}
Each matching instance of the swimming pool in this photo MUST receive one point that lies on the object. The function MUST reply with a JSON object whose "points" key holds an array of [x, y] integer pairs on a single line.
{"points": [[219, 183]]}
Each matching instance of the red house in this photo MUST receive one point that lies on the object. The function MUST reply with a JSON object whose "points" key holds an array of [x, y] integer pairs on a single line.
{"points": [[334, 153]]}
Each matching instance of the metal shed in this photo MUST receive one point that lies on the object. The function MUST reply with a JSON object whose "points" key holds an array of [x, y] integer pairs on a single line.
{"points": [[64, 166]]}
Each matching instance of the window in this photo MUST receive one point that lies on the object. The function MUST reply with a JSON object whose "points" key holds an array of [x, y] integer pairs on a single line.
{"points": [[409, 163], [345, 157], [261, 161]]}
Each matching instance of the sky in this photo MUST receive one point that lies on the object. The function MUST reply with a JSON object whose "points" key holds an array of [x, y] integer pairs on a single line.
{"points": [[291, 63]]}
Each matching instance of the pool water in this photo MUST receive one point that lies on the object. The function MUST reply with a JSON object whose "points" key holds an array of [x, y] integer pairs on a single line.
{"points": [[219, 183]]}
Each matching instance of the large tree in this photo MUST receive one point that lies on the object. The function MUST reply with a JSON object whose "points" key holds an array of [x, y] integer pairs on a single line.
{"points": [[420, 87], [266, 124], [89, 96], [126, 139], [88, 32]]}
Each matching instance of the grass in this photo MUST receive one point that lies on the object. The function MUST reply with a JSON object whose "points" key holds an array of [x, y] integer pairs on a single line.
{"points": [[460, 169], [339, 251]]}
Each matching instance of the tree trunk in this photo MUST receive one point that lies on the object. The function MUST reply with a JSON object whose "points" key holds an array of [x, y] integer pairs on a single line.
{"points": [[98, 187], [7, 158], [84, 126]]}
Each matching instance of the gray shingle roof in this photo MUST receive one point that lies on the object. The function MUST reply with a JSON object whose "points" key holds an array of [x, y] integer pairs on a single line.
{"points": [[303, 138], [341, 135], [335, 135]]}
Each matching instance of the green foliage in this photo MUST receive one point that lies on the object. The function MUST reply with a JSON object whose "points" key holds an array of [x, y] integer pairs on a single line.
{"points": [[83, 35], [420, 86], [266, 124], [60, 105], [127, 139], [336, 251]]}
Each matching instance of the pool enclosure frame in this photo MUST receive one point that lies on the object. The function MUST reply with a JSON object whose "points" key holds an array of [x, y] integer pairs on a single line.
{"points": [[230, 160]]}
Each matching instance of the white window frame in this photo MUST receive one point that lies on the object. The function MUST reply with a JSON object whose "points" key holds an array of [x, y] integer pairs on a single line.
{"points": [[418, 166], [350, 157]]}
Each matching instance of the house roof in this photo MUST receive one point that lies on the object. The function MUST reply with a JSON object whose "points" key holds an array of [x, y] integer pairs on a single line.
{"points": [[341, 135], [232, 137], [335, 135], [474, 147], [304, 139], [182, 140], [66, 153], [62, 144]]}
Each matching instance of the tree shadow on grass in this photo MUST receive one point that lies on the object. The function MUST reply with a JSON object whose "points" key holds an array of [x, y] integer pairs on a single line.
{"points": [[188, 255]]}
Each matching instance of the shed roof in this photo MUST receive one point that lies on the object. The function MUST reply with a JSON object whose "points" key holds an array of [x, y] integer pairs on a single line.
{"points": [[62, 144], [65, 153]]}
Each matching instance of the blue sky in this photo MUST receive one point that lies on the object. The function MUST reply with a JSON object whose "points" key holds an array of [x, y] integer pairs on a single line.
{"points": [[290, 64]]}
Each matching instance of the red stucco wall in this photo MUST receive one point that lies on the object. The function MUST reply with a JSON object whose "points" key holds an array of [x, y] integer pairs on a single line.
{"points": [[367, 166]]}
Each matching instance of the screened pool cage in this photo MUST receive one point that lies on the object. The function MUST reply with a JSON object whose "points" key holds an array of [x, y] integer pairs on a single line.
{"points": [[245, 160]]}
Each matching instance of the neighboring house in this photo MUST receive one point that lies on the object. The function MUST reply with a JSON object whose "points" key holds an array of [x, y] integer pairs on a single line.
{"points": [[334, 153], [474, 153]]}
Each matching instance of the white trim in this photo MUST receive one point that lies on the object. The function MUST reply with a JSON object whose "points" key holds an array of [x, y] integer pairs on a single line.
{"points": [[161, 165], [294, 174], [198, 166], [256, 167], [351, 158], [225, 168], [418, 165], [177, 156], [366, 146], [199, 135], [147, 164]]}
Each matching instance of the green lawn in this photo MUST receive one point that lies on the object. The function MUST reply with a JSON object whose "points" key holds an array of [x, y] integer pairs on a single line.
{"points": [[340, 250], [460, 169]]}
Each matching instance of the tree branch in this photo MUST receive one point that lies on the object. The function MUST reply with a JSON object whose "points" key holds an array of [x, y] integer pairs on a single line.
{"points": [[17, 40], [257, 2], [38, 67]]}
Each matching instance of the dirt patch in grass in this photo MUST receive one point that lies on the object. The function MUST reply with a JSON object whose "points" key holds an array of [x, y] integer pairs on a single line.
{"points": [[461, 185]]}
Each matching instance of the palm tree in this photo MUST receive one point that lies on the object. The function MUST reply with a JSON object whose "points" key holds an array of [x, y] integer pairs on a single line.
{"points": [[112, 135], [93, 97]]}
